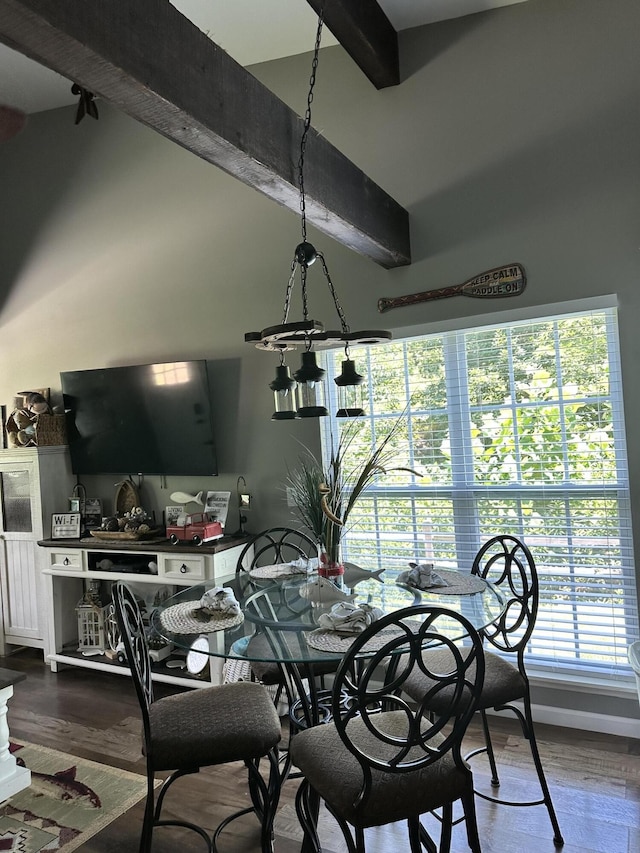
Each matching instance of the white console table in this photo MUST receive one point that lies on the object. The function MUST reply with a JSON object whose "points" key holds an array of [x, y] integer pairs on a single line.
{"points": [[69, 564], [13, 778]]}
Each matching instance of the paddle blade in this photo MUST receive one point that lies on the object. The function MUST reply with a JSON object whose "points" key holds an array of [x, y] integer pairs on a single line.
{"points": [[509, 280]]}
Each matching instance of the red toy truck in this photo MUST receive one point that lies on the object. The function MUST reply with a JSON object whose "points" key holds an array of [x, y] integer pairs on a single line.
{"points": [[197, 528]]}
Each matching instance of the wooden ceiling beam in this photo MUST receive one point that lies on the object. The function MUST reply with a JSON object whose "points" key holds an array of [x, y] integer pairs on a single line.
{"points": [[152, 63], [365, 32]]}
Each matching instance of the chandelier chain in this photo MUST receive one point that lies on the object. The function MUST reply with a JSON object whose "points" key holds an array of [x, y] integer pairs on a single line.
{"points": [[307, 125], [287, 297], [334, 295], [303, 282]]}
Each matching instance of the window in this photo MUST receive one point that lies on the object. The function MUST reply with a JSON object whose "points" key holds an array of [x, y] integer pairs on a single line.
{"points": [[515, 429]]}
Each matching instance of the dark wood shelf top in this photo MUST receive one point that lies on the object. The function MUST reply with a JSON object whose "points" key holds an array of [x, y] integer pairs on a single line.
{"points": [[90, 543]]}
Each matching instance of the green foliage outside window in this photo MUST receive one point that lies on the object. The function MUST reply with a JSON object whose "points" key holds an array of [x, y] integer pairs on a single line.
{"points": [[515, 429]]}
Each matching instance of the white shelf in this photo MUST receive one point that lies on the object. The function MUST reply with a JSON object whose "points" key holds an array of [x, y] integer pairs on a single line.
{"points": [[116, 668], [66, 571], [120, 576]]}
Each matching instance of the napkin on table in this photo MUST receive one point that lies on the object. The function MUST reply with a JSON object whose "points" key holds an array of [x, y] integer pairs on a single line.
{"points": [[220, 601], [347, 618], [421, 576]]}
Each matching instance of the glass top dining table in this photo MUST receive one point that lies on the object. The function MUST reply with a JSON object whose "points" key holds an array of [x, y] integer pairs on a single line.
{"points": [[287, 608], [277, 624]]}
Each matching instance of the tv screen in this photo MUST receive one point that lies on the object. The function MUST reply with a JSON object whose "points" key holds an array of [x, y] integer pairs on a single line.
{"points": [[141, 419]]}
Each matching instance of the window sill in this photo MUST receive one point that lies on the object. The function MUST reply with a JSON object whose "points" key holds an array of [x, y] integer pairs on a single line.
{"points": [[622, 687]]}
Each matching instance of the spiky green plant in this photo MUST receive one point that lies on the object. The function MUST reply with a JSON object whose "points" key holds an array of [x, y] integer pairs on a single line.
{"points": [[325, 497]]}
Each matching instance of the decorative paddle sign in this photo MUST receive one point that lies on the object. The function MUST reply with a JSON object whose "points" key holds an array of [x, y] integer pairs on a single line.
{"points": [[509, 280]]}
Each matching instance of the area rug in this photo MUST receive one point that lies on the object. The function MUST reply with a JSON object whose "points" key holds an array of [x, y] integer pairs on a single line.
{"points": [[70, 800]]}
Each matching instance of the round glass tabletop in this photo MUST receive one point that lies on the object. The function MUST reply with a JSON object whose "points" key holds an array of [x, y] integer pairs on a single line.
{"points": [[277, 620]]}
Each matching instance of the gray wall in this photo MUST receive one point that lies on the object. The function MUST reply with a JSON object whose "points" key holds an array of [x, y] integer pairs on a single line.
{"points": [[514, 136]]}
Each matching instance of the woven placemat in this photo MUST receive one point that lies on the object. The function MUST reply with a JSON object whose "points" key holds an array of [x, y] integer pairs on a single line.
{"points": [[280, 570], [181, 619], [326, 640], [458, 583]]}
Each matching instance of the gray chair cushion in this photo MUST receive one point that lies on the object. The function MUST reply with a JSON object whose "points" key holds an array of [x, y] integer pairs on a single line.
{"points": [[337, 776], [232, 722], [265, 671], [502, 681], [269, 673]]}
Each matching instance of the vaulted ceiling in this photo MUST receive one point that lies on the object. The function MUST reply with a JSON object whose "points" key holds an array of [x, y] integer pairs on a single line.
{"points": [[155, 64]]}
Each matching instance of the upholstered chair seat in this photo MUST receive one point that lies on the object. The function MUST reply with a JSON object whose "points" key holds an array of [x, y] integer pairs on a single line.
{"points": [[503, 682], [179, 725], [336, 774]]}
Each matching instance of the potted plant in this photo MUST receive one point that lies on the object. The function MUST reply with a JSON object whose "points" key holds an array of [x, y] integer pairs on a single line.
{"points": [[325, 496]]}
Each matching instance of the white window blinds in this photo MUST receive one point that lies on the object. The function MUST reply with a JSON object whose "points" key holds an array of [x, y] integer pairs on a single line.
{"points": [[515, 429]]}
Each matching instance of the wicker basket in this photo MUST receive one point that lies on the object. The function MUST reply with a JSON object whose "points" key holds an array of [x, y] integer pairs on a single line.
{"points": [[50, 430]]}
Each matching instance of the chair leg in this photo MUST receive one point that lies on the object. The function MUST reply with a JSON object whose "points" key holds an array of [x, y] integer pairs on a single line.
{"points": [[415, 835], [526, 724], [264, 801], [272, 800], [558, 840], [427, 841], [446, 827], [359, 844], [495, 781], [147, 823], [470, 819], [355, 843], [265, 796], [308, 817], [158, 821]]}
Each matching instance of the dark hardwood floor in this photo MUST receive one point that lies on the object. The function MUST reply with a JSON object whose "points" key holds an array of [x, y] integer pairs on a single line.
{"points": [[595, 779]]}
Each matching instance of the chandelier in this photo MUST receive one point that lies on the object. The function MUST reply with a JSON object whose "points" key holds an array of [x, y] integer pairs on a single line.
{"points": [[302, 395]]}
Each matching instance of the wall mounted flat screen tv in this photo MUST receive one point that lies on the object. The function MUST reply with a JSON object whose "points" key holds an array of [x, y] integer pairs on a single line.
{"points": [[141, 419]]}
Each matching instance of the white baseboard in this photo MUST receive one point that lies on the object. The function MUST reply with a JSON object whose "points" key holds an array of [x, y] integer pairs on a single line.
{"points": [[585, 720]]}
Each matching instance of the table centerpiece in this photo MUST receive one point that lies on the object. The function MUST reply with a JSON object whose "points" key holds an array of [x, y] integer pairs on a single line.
{"points": [[325, 496]]}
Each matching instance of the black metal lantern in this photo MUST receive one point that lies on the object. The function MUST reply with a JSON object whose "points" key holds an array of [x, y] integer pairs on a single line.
{"points": [[283, 387], [310, 390], [349, 391]]}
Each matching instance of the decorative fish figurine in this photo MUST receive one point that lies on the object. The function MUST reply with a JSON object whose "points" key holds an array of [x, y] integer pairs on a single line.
{"points": [[321, 592], [354, 574], [184, 498]]}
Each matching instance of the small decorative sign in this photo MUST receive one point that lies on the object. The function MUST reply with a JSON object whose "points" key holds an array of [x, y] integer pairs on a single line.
{"points": [[92, 512], [217, 506], [509, 280], [172, 513], [65, 525]]}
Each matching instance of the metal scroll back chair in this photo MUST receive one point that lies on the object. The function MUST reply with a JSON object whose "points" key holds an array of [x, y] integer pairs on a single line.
{"points": [[383, 759], [200, 728], [508, 563], [275, 545], [271, 547]]}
